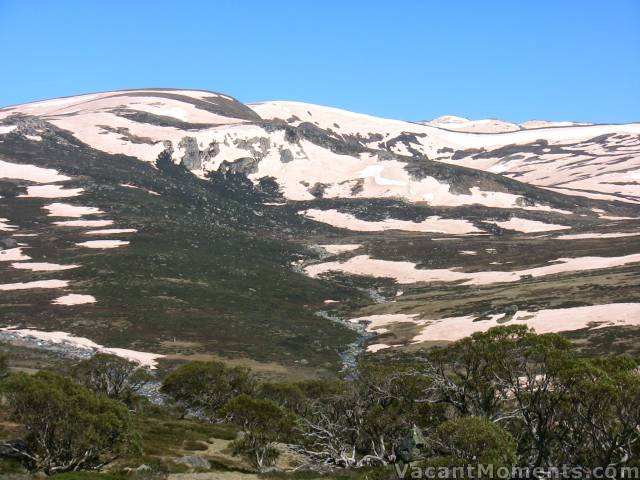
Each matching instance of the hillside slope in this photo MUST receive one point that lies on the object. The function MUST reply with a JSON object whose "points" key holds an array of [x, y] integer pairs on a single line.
{"points": [[177, 224]]}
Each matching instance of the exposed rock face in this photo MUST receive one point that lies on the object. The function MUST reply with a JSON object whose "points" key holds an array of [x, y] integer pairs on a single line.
{"points": [[6, 243], [210, 152], [245, 165], [258, 146], [285, 155], [191, 159], [194, 461]]}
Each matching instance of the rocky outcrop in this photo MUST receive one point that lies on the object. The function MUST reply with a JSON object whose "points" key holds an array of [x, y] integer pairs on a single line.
{"points": [[6, 243], [191, 158], [244, 165], [194, 461], [285, 155], [210, 152]]}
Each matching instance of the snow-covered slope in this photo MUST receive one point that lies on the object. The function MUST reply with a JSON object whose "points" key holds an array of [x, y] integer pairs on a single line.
{"points": [[376, 157], [596, 161], [459, 124], [491, 125], [150, 219], [137, 122]]}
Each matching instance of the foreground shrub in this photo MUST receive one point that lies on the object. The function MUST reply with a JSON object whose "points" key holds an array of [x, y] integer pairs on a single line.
{"points": [[204, 387], [471, 440], [110, 375], [4, 365], [263, 423], [68, 427]]}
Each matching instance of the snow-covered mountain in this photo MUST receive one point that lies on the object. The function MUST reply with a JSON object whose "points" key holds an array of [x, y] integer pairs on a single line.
{"points": [[206, 129], [142, 216], [491, 125]]}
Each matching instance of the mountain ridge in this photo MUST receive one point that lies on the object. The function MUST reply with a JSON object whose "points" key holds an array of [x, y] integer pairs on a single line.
{"points": [[324, 230]]}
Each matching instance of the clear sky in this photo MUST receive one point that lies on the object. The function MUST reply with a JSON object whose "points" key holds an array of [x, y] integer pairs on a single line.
{"points": [[512, 59]]}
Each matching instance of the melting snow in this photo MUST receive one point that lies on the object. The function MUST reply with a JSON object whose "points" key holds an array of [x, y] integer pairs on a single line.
{"points": [[84, 223], [376, 347], [103, 243], [582, 236], [30, 173], [4, 129], [5, 226], [433, 224], [543, 321], [13, 255], [109, 231], [36, 284], [406, 272], [145, 359], [74, 299], [73, 211], [529, 226], [43, 267], [51, 191]]}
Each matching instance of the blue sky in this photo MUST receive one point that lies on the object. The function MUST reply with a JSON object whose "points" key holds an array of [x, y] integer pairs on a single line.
{"points": [[515, 60]]}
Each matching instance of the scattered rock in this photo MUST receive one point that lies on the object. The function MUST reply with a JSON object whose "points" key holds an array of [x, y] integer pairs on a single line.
{"points": [[194, 461], [511, 309], [285, 155]]}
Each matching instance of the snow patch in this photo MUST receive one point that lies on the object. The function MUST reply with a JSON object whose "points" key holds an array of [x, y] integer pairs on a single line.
{"points": [[13, 255], [36, 284], [4, 129], [84, 223], [432, 224], [30, 173], [51, 191], [144, 359], [582, 236], [73, 211], [74, 299], [542, 321], [5, 226], [103, 243], [43, 267], [529, 226], [110, 231], [406, 272]]}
